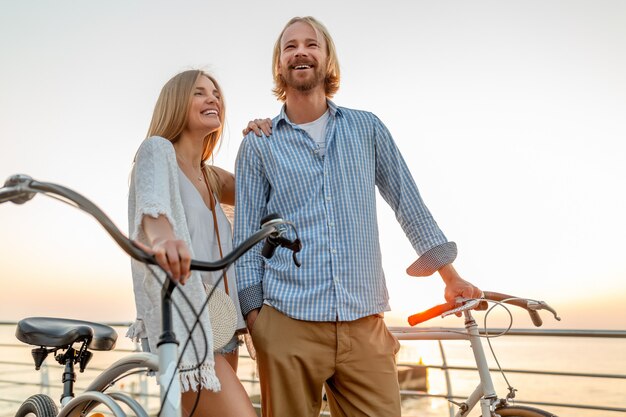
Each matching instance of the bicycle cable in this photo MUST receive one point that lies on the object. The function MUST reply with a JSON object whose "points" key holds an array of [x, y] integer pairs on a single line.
{"points": [[512, 390], [190, 331], [189, 338], [196, 323]]}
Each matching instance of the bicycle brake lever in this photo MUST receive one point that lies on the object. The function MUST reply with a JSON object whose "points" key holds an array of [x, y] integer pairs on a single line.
{"points": [[295, 247], [468, 304], [542, 305]]}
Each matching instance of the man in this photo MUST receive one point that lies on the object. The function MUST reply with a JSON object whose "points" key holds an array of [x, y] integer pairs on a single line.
{"points": [[321, 324]]}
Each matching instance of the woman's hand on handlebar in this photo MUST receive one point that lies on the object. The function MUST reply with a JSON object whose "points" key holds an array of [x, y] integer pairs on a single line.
{"points": [[172, 255]]}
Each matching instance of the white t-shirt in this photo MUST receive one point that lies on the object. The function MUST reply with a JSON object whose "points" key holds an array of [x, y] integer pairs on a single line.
{"points": [[317, 131]]}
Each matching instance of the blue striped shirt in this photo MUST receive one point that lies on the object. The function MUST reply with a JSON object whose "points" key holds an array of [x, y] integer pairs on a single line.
{"points": [[331, 200]]}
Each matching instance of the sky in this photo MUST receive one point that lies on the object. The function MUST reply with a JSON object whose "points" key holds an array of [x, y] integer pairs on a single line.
{"points": [[510, 116]]}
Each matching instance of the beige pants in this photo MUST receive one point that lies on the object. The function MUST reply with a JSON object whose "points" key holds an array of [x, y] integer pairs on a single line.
{"points": [[354, 360]]}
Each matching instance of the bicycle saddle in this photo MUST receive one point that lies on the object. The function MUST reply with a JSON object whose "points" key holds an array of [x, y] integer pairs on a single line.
{"points": [[55, 332]]}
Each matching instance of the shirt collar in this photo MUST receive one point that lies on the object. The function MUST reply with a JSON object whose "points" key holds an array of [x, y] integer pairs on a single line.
{"points": [[334, 111]]}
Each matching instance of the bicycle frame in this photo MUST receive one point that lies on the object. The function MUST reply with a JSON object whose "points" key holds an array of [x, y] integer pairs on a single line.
{"points": [[484, 391]]}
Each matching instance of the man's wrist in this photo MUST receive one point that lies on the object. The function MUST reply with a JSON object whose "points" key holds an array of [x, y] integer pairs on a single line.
{"points": [[448, 274]]}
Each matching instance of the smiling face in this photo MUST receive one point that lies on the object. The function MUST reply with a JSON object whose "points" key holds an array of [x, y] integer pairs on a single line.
{"points": [[302, 64], [204, 115]]}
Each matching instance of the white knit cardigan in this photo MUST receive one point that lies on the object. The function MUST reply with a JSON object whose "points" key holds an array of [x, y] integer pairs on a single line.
{"points": [[154, 191]]}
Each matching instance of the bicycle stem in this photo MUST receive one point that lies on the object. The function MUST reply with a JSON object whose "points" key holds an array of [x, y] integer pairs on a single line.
{"points": [[168, 357], [167, 336]]}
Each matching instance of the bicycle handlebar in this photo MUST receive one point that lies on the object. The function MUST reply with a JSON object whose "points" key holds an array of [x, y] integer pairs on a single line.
{"points": [[21, 188], [445, 309]]}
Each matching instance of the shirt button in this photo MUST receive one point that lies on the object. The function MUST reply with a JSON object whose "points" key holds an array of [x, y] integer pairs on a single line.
{"points": [[327, 198], [331, 224], [334, 250]]}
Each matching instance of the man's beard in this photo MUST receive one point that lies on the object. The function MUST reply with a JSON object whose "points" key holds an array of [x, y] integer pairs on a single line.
{"points": [[307, 84]]}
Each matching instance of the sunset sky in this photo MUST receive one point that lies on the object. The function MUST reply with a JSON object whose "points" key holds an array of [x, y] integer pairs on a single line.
{"points": [[511, 116]]}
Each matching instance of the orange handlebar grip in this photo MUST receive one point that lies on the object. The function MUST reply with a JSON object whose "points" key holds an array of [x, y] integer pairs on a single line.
{"points": [[430, 313]]}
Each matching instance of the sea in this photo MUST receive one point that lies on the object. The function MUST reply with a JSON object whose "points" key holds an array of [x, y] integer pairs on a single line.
{"points": [[557, 354]]}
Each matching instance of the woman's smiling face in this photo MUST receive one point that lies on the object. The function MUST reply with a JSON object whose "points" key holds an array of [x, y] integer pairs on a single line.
{"points": [[206, 106]]}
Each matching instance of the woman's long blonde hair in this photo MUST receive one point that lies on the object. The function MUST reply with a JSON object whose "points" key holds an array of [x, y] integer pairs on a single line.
{"points": [[170, 116]]}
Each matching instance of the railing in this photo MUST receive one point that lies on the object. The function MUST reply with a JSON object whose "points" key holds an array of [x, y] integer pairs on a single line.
{"points": [[572, 403], [140, 388]]}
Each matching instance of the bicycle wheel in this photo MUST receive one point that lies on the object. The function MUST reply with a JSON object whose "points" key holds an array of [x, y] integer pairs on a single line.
{"points": [[522, 411], [40, 405]]}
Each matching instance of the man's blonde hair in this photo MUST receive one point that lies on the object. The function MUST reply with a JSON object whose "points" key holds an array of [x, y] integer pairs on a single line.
{"points": [[331, 79]]}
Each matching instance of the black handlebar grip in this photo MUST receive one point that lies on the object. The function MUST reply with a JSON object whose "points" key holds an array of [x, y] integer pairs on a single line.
{"points": [[268, 248], [269, 217], [270, 244]]}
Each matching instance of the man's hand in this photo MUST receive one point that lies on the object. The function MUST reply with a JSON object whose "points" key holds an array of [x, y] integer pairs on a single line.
{"points": [[461, 288], [457, 286], [251, 318], [259, 126]]}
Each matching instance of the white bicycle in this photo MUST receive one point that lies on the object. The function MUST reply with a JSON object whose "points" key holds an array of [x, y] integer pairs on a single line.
{"points": [[71, 341], [490, 404]]}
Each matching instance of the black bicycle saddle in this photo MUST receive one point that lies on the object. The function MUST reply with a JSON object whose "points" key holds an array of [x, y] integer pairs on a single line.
{"points": [[55, 332]]}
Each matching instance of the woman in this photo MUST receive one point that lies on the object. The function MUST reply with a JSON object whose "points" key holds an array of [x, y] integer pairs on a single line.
{"points": [[174, 208]]}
